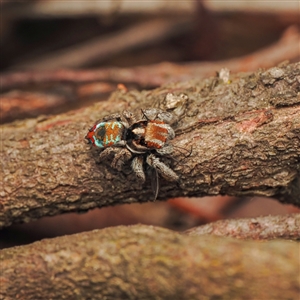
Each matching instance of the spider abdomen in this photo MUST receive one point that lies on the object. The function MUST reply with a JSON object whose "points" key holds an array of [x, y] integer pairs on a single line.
{"points": [[106, 134]]}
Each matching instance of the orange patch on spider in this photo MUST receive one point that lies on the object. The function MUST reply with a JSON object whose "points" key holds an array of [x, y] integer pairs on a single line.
{"points": [[109, 129], [155, 132]]}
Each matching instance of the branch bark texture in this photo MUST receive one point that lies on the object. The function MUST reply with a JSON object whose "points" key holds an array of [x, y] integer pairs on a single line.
{"points": [[144, 262], [261, 228], [244, 133]]}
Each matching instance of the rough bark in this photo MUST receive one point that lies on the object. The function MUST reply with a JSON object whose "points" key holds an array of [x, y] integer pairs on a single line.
{"points": [[143, 262], [261, 228], [243, 132]]}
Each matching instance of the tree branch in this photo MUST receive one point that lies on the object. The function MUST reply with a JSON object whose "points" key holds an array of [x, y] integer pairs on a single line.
{"points": [[261, 228], [100, 48], [244, 136], [142, 262], [286, 48]]}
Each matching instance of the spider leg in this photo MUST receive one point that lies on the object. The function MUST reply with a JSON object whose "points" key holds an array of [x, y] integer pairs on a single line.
{"points": [[112, 117], [155, 183], [156, 113], [167, 149], [122, 155], [165, 116], [107, 152], [129, 117], [137, 167], [161, 168], [171, 132], [112, 149]]}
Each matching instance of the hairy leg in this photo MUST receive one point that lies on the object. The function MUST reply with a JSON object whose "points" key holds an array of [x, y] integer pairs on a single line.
{"points": [[156, 113], [167, 149], [129, 117], [161, 168], [108, 152], [121, 156], [137, 167], [116, 116]]}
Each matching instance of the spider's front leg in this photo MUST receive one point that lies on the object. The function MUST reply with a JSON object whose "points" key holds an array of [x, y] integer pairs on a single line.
{"points": [[138, 168], [166, 172]]}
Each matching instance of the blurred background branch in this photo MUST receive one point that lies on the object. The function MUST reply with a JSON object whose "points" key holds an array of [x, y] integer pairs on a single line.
{"points": [[128, 262]]}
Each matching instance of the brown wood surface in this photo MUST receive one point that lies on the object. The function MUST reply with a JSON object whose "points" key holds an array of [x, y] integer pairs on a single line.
{"points": [[144, 262], [244, 136]]}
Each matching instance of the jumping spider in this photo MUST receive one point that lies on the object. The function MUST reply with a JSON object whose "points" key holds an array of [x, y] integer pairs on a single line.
{"points": [[140, 140]]}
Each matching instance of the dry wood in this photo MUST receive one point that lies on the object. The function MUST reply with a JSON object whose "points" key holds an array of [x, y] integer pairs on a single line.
{"points": [[244, 135], [261, 228], [144, 262]]}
